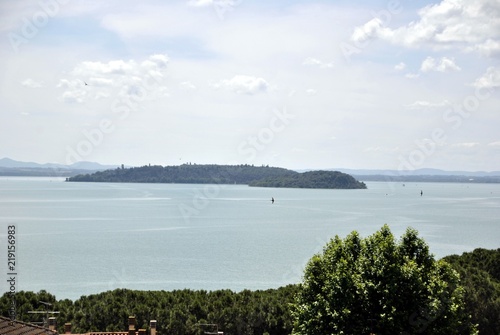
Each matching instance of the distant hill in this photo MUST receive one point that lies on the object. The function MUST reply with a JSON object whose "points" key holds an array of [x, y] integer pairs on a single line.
{"points": [[430, 178], [10, 167], [224, 174], [10, 163], [416, 172]]}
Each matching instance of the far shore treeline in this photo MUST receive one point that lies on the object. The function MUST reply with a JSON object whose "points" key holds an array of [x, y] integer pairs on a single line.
{"points": [[261, 176], [247, 312]]}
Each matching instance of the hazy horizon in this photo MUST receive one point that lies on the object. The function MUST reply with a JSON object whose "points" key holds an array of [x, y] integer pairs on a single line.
{"points": [[395, 85], [296, 169]]}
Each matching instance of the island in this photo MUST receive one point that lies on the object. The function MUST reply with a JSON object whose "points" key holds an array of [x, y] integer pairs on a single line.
{"points": [[312, 179], [245, 174]]}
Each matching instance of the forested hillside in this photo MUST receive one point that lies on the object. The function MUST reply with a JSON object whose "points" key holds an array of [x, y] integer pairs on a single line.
{"points": [[223, 174], [186, 173], [312, 179]]}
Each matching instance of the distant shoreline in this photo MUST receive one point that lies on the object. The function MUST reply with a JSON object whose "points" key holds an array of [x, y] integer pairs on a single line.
{"points": [[431, 179], [66, 173], [41, 172]]}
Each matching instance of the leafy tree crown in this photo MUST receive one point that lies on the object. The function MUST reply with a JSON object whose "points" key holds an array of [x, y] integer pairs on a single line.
{"points": [[379, 285]]}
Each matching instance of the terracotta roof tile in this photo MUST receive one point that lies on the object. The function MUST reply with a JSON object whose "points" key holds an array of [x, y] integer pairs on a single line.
{"points": [[9, 327]]}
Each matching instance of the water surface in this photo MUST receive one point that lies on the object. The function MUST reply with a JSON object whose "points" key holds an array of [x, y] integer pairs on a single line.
{"points": [[75, 239]]}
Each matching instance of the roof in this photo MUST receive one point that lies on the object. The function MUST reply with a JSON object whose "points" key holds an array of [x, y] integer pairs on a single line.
{"points": [[14, 327]]}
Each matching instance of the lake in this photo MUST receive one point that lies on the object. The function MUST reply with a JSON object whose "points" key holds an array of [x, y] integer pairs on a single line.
{"points": [[76, 239]]}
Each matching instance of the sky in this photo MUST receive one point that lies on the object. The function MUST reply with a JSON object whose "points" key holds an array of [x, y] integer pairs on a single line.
{"points": [[393, 84]]}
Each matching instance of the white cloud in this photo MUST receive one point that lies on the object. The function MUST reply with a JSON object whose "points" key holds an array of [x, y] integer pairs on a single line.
{"points": [[99, 82], [114, 67], [102, 95], [467, 25], [155, 62], [428, 64], [412, 75], [370, 30], [490, 48], [187, 85], [495, 144], [125, 78], [31, 83], [490, 79], [422, 104], [245, 84], [200, 3], [70, 84], [400, 67], [74, 96], [310, 61], [465, 147], [311, 92], [447, 65], [220, 6], [443, 65]]}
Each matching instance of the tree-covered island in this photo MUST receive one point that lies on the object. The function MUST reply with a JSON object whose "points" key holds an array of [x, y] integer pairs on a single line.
{"points": [[260, 176]]}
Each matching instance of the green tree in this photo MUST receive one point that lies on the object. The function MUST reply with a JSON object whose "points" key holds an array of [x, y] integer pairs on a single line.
{"points": [[480, 275], [382, 286]]}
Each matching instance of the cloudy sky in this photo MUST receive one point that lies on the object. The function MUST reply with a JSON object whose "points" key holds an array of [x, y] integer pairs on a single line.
{"points": [[297, 84]]}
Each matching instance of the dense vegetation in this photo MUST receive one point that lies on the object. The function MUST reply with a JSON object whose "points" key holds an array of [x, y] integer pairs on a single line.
{"points": [[186, 173], [223, 174], [270, 311], [177, 312], [312, 179], [480, 275], [382, 286]]}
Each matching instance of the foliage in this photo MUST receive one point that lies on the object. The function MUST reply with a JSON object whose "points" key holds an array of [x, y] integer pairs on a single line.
{"points": [[377, 285], [398, 288], [186, 173], [224, 174], [480, 275], [177, 312], [312, 179]]}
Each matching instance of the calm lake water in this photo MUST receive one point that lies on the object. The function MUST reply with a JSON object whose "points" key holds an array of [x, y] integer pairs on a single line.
{"points": [[76, 239]]}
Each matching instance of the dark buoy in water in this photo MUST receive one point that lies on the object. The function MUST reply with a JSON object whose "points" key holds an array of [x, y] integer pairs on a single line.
{"points": [[272, 200], [421, 193]]}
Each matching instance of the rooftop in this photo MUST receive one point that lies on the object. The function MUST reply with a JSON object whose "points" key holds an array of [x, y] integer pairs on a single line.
{"points": [[14, 327]]}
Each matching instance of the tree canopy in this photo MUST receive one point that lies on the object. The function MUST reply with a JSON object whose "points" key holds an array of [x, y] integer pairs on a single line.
{"points": [[261, 176], [382, 286], [179, 312], [480, 275], [312, 179]]}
